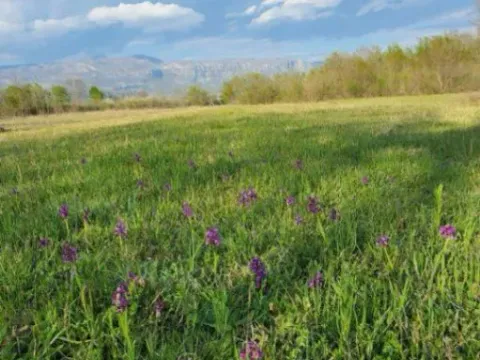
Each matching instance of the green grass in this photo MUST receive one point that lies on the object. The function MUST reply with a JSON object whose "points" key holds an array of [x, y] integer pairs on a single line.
{"points": [[419, 298]]}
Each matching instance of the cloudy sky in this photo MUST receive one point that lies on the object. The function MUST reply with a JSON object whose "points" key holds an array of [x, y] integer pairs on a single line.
{"points": [[33, 31]]}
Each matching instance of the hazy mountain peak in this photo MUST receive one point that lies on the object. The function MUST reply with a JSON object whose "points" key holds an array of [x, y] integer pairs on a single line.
{"points": [[141, 72]]}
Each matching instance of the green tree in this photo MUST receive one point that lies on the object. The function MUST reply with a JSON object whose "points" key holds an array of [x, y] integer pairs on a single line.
{"points": [[252, 88], [60, 97], [96, 94], [198, 96]]}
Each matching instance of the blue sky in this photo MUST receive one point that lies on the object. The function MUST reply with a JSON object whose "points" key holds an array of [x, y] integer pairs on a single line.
{"points": [[34, 31]]}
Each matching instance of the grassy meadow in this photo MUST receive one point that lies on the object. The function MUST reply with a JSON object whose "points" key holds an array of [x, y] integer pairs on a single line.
{"points": [[150, 256]]}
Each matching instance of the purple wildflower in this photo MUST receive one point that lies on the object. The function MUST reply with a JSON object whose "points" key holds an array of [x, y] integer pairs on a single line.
{"points": [[187, 210], [158, 307], [69, 253], [247, 196], [137, 280], [290, 200], [137, 157], [313, 205], [43, 242], [120, 229], [365, 180], [316, 281], [298, 220], [86, 215], [448, 231], [191, 164], [63, 211], [334, 215], [212, 236], [383, 240], [119, 297], [258, 268], [298, 164], [251, 351]]}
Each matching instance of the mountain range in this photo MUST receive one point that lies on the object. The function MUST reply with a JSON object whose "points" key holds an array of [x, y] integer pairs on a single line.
{"points": [[129, 75]]}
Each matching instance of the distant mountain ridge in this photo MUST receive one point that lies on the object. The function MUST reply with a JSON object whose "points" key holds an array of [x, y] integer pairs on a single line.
{"points": [[128, 75]]}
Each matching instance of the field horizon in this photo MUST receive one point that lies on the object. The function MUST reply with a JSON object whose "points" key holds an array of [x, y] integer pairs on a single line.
{"points": [[344, 229]]}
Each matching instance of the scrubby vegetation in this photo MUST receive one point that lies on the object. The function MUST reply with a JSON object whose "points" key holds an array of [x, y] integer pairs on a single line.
{"points": [[436, 65]]}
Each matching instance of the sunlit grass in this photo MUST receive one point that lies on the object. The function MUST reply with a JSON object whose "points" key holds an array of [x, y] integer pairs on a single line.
{"points": [[417, 298]]}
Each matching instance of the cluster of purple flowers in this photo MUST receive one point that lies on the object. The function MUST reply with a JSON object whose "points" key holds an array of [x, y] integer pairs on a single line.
{"points": [[298, 220], [383, 240], [119, 297], [247, 197], [290, 200], [120, 229], [69, 253], [158, 307], [316, 281], [334, 214], [251, 351], [258, 268], [43, 242], [212, 236], [365, 180], [313, 206], [63, 211], [448, 231], [298, 164], [187, 210]]}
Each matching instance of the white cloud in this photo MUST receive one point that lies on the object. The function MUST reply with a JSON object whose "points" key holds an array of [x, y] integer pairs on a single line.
{"points": [[316, 48], [295, 10], [9, 28], [379, 5], [247, 12], [57, 26], [10, 10], [146, 14], [250, 10]]}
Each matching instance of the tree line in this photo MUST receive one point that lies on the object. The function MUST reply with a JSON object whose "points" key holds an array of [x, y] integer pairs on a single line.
{"points": [[33, 99], [441, 64]]}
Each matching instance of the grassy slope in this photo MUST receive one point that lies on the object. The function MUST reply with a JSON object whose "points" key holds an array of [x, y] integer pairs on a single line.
{"points": [[418, 298]]}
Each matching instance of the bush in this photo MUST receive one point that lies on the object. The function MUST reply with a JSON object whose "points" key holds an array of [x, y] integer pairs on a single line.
{"points": [[198, 96]]}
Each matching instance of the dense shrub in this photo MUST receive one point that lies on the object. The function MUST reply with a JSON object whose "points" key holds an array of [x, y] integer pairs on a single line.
{"points": [[436, 65]]}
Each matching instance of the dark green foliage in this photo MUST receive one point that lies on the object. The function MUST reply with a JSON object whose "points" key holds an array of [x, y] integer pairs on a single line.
{"points": [[96, 94], [60, 98]]}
